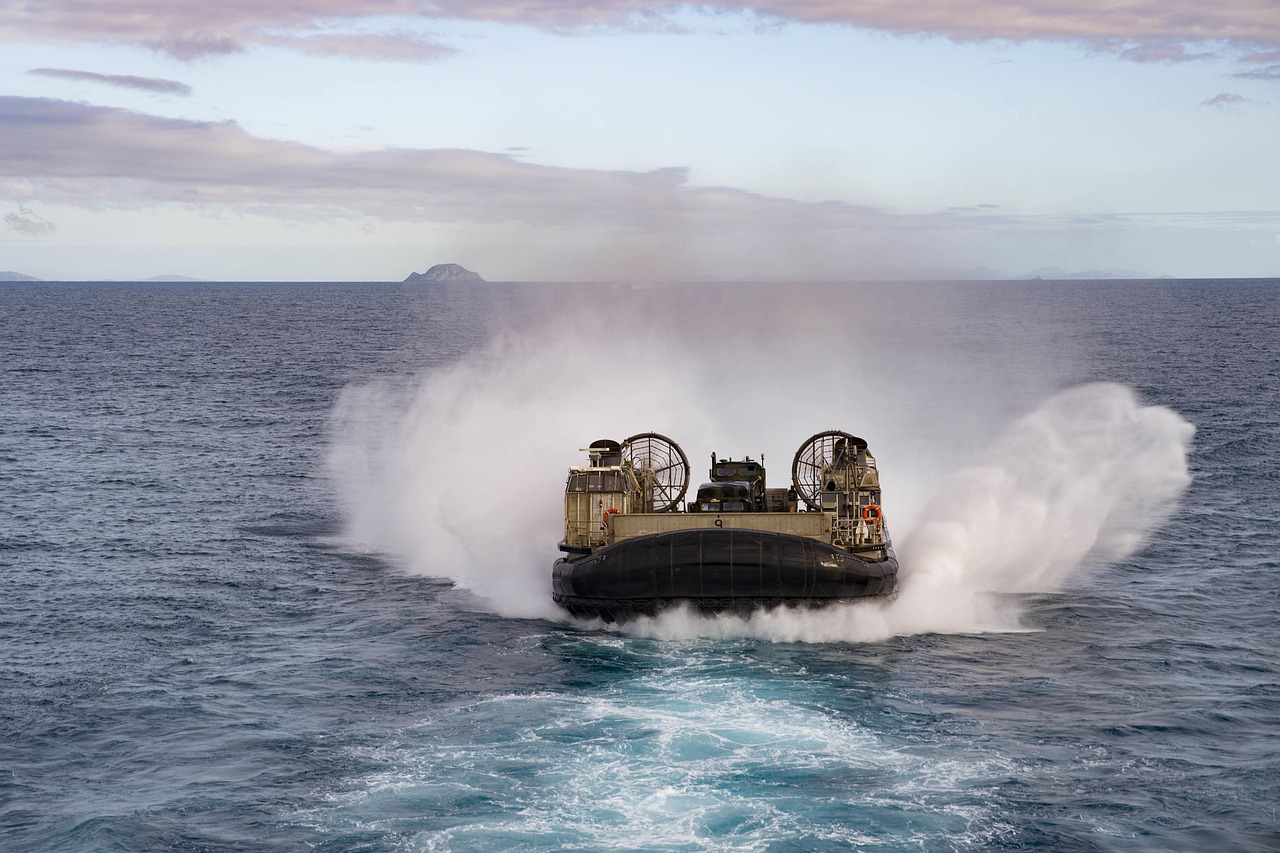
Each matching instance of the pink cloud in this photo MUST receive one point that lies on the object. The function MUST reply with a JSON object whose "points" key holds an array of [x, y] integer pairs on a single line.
{"points": [[70, 153], [59, 152], [127, 81], [1161, 50], [189, 30], [391, 48], [191, 46]]}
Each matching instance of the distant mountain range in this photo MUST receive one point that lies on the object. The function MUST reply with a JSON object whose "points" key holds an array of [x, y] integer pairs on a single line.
{"points": [[989, 274], [1092, 275], [17, 276], [456, 272]]}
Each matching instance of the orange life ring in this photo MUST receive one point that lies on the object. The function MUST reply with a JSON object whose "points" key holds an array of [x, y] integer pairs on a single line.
{"points": [[610, 512], [866, 512]]}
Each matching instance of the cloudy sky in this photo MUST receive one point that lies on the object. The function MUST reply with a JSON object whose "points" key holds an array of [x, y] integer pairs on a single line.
{"points": [[622, 139]]}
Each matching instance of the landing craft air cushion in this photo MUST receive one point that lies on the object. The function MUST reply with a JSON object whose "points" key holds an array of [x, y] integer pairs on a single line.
{"points": [[633, 547]]}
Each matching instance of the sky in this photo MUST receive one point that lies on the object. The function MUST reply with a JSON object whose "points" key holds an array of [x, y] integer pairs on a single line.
{"points": [[361, 140]]}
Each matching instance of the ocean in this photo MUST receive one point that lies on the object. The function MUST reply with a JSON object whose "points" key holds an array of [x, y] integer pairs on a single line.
{"points": [[275, 569]]}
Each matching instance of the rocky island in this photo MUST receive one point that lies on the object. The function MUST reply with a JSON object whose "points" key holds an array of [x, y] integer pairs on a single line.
{"points": [[445, 272]]}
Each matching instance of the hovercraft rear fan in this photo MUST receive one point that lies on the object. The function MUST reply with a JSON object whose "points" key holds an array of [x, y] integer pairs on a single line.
{"points": [[815, 458], [662, 467]]}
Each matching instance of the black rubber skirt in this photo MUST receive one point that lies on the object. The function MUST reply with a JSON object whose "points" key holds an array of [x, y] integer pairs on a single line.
{"points": [[715, 570]]}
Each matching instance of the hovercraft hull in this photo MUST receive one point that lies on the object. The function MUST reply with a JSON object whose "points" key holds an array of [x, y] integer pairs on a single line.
{"points": [[717, 570]]}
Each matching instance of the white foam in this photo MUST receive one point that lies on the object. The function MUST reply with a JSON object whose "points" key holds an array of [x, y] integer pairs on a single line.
{"points": [[677, 757], [459, 473], [1084, 479]]}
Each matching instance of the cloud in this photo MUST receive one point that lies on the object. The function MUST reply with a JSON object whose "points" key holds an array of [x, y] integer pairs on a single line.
{"points": [[1224, 100], [92, 156], [1271, 72], [192, 30], [191, 46], [1161, 50], [29, 224], [1264, 57], [96, 158], [127, 81], [399, 47]]}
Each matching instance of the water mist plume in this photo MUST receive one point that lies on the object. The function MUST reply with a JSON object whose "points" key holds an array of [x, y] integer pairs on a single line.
{"points": [[459, 473], [1084, 479]]}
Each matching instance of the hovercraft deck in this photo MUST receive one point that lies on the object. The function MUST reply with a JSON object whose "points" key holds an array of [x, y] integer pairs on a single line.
{"points": [[632, 548]]}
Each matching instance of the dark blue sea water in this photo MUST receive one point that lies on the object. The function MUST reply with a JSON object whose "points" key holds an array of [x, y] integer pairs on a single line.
{"points": [[273, 563]]}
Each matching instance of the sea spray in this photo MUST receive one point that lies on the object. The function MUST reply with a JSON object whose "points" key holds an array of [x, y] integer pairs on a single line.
{"points": [[1085, 478], [1088, 476], [459, 473]]}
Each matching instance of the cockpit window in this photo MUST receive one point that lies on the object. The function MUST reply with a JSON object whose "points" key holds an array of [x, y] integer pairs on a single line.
{"points": [[595, 481], [717, 491]]}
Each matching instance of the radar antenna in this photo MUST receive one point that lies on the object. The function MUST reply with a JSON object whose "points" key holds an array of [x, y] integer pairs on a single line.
{"points": [[662, 468], [815, 459]]}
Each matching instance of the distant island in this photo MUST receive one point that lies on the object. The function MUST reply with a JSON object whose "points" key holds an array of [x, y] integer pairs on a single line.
{"points": [[445, 272], [17, 276], [1059, 274], [990, 274]]}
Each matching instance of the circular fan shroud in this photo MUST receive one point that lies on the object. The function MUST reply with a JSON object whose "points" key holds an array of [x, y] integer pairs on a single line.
{"points": [[812, 459], [666, 465]]}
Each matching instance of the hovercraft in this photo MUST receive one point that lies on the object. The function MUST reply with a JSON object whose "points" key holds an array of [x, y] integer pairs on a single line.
{"points": [[633, 547]]}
